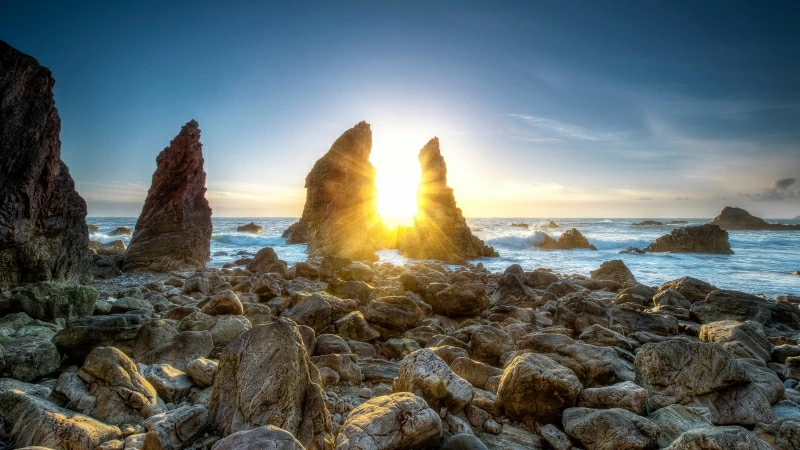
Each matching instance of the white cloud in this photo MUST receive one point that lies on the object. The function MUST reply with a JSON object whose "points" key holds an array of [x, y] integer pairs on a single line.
{"points": [[566, 130]]}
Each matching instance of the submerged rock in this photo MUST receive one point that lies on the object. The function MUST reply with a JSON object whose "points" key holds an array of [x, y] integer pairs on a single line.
{"points": [[738, 219], [340, 216], [440, 230], [698, 239], [43, 234], [174, 229]]}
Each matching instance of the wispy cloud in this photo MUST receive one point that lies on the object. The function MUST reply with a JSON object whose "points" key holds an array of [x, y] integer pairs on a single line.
{"points": [[681, 199], [782, 189], [566, 130], [535, 139]]}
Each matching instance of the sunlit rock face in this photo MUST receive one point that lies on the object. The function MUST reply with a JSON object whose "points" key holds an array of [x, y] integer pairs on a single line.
{"points": [[43, 233], [440, 230], [340, 217], [174, 228]]}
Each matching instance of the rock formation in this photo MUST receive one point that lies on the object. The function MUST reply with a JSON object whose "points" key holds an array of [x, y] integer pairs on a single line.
{"points": [[340, 217], [43, 232], [570, 239], [699, 239], [440, 230], [174, 228], [738, 219], [251, 227], [646, 223]]}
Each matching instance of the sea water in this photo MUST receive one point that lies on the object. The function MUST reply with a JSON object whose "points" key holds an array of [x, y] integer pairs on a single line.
{"points": [[763, 262]]}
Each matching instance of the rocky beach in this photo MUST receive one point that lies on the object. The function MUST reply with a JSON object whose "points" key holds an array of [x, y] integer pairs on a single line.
{"points": [[138, 341]]}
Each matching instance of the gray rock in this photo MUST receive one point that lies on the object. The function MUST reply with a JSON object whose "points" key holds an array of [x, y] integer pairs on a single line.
{"points": [[425, 374]]}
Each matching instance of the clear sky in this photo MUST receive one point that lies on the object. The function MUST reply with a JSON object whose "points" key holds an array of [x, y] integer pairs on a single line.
{"points": [[543, 109]]}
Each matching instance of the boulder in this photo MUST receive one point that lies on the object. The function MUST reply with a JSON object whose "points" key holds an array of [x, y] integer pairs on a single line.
{"points": [[83, 334], [511, 291], [171, 385], [49, 301], [340, 216], [674, 420], [266, 261], [27, 352], [697, 239], [741, 339], [610, 429], [266, 437], [174, 228], [731, 218], [251, 227], [614, 270], [535, 388], [176, 429], [427, 375], [460, 300], [311, 310], [626, 395], [223, 329], [391, 422], [691, 289], [719, 438], [225, 302], [648, 223], [733, 305], [397, 313], [630, 321], [573, 239], [488, 344], [26, 420], [159, 342], [476, 373], [203, 371], [44, 236], [123, 395], [354, 326], [285, 393], [344, 365], [440, 230]]}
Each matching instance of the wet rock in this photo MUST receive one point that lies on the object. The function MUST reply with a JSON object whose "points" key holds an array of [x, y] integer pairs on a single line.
{"points": [[425, 374], [174, 229], [570, 239], [731, 218], [123, 395], [340, 216], [26, 420], [44, 234], [614, 270], [392, 422], [697, 239], [646, 223], [535, 388], [250, 228], [286, 393], [266, 437], [610, 429]]}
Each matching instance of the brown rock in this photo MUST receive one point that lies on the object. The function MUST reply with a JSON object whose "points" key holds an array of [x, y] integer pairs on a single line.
{"points": [[340, 217], [43, 234], [738, 219], [174, 228], [440, 230], [699, 239]]}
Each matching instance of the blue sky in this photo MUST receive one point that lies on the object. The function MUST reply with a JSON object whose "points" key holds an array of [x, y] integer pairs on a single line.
{"points": [[543, 109]]}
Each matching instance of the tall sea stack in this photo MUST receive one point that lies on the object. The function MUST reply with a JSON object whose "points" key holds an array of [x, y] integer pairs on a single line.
{"points": [[440, 230], [43, 233], [174, 229], [340, 217]]}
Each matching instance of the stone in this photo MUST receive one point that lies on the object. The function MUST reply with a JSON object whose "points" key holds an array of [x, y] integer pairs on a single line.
{"points": [[174, 228], [733, 305], [266, 437], [487, 344], [354, 326], [671, 297], [690, 288], [225, 302], [535, 388], [511, 291], [630, 321], [463, 441], [176, 429], [610, 429], [460, 300], [123, 395], [28, 353], [626, 395], [614, 270], [127, 304], [555, 437], [399, 348], [427, 375], [44, 235], [718, 438], [203, 371], [266, 261], [121, 231], [285, 393], [397, 313], [741, 339], [223, 329], [391, 422], [696, 239], [345, 366], [647, 223], [158, 342], [26, 420], [440, 230], [329, 344], [171, 385], [475, 372], [340, 216], [731, 218], [83, 334], [251, 227], [311, 310], [49, 301], [674, 420], [570, 239], [603, 337], [36, 390]]}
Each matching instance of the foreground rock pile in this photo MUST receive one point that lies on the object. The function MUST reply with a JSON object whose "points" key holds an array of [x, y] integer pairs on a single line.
{"points": [[333, 353]]}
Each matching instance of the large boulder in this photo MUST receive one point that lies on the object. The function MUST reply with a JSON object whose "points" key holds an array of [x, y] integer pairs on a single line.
{"points": [[460, 300], [44, 234], [48, 300], [266, 437], [27, 351], [26, 420], [83, 334], [675, 420], [266, 261], [738, 306], [440, 230], [719, 438], [691, 289], [427, 375], [741, 339], [697, 239], [570, 239], [340, 216], [397, 313], [176, 429], [614, 270], [286, 392], [123, 395], [174, 228], [610, 429], [731, 218], [391, 422], [159, 342], [535, 388]]}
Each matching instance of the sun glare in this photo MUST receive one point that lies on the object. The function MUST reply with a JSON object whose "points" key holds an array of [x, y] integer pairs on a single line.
{"points": [[394, 155]]}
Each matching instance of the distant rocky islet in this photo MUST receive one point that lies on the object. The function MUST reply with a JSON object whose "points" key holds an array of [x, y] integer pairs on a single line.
{"points": [[340, 351]]}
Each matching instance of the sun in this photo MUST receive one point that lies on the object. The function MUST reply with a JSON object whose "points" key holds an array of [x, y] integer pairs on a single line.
{"points": [[394, 155]]}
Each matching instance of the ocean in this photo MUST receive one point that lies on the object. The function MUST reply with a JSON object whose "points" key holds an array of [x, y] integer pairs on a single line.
{"points": [[763, 262]]}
